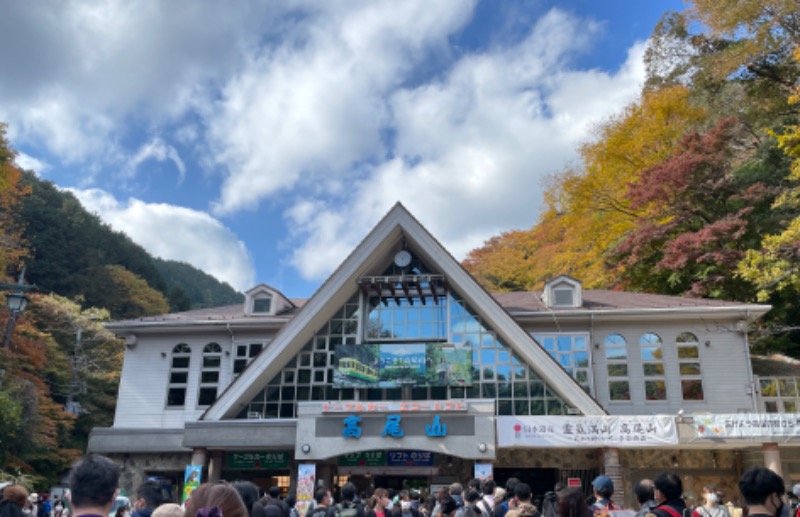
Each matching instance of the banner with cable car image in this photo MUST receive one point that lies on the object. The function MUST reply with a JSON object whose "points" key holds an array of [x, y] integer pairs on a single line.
{"points": [[393, 365]]}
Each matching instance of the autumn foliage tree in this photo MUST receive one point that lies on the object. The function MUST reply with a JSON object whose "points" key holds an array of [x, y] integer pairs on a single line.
{"points": [[702, 209], [688, 191], [587, 210], [775, 266]]}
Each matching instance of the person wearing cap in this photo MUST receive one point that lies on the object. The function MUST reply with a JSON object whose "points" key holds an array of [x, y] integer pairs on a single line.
{"points": [[603, 489]]}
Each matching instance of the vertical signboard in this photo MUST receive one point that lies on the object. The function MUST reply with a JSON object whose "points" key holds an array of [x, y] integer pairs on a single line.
{"points": [[306, 477], [191, 480]]}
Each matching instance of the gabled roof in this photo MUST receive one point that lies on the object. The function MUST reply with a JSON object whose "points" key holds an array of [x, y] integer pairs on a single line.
{"points": [[377, 248]]}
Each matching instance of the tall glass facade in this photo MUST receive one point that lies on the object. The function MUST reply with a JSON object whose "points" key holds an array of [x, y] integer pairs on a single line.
{"points": [[497, 372]]}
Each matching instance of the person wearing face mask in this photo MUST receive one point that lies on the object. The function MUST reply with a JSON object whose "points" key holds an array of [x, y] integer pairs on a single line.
{"points": [[762, 490], [712, 506], [667, 491]]}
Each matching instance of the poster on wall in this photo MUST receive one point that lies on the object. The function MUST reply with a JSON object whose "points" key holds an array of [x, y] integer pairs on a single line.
{"points": [[483, 471], [191, 480], [306, 478], [393, 365]]}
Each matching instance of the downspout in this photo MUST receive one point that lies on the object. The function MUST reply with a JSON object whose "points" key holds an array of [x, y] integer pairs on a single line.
{"points": [[231, 354], [753, 388], [592, 357]]}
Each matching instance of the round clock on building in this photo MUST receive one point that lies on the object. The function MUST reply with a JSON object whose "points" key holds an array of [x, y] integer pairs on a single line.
{"points": [[402, 259]]}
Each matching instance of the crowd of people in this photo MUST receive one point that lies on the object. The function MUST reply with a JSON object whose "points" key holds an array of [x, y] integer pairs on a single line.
{"points": [[93, 490]]}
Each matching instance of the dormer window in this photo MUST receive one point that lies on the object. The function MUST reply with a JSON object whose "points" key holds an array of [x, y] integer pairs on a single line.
{"points": [[563, 291], [262, 305], [563, 296], [263, 300]]}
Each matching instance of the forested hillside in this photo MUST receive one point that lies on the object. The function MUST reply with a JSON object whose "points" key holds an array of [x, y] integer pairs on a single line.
{"points": [[693, 189], [60, 373], [73, 253], [188, 287]]}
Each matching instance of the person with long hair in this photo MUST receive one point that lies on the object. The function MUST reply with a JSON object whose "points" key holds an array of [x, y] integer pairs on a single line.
{"points": [[379, 504], [211, 499], [571, 503]]}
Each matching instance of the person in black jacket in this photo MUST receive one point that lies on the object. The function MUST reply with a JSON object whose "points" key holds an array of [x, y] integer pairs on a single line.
{"points": [[763, 492], [147, 498], [667, 490]]}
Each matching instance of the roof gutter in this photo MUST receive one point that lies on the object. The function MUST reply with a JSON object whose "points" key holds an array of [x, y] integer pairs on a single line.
{"points": [[750, 312]]}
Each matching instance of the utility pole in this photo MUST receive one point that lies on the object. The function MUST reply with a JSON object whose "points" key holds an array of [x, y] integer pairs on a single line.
{"points": [[76, 386]]}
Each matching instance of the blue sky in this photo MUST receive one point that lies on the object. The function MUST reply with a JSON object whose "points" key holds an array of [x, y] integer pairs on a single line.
{"points": [[260, 141]]}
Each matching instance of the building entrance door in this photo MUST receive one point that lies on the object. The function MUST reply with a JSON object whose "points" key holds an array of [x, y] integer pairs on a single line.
{"points": [[540, 480]]}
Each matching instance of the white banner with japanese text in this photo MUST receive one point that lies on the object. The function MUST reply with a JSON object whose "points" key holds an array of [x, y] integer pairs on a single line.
{"points": [[586, 431], [745, 425]]}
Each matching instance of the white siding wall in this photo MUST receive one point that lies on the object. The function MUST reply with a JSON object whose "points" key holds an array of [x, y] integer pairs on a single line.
{"points": [[725, 366], [142, 399]]}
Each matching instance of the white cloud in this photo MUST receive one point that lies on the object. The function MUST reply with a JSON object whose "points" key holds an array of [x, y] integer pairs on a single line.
{"points": [[176, 233], [156, 149], [307, 110], [85, 72], [472, 149], [29, 163], [331, 111]]}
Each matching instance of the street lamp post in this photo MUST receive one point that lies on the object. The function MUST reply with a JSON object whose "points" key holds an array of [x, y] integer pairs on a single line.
{"points": [[16, 302]]}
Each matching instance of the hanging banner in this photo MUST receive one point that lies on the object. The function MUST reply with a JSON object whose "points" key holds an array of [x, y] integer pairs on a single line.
{"points": [[746, 425], [393, 365], [191, 480], [306, 479], [483, 471], [586, 431]]}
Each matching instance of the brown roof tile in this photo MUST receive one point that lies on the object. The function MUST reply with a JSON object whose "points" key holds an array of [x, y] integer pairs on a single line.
{"points": [[513, 302]]}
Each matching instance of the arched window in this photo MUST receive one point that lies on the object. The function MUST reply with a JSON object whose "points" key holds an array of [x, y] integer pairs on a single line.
{"points": [[655, 384], [178, 375], [689, 365], [616, 348], [209, 375]]}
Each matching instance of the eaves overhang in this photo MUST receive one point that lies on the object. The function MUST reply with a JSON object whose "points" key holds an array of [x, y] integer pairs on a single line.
{"points": [[194, 325], [750, 312]]}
